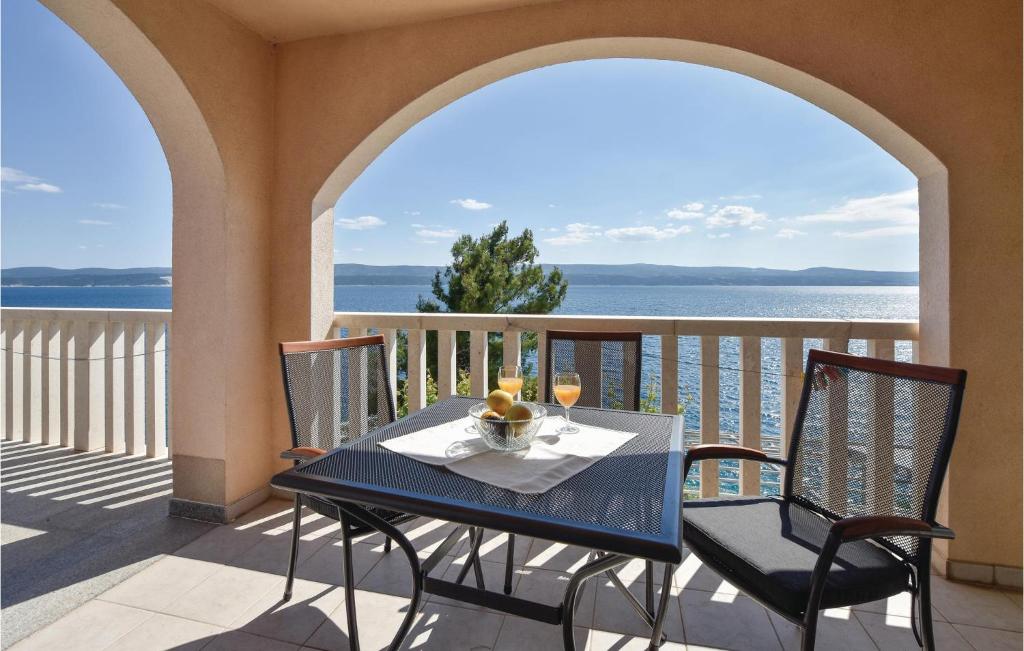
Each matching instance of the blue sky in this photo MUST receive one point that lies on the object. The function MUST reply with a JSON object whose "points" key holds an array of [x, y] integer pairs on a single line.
{"points": [[612, 161]]}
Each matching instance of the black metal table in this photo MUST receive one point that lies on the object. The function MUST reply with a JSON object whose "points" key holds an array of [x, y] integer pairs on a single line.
{"points": [[626, 505]]}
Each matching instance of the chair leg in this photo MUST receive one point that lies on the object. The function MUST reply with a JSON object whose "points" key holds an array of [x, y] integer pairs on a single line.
{"points": [[293, 553], [387, 545], [924, 601], [510, 554], [350, 588], [809, 630], [649, 592]]}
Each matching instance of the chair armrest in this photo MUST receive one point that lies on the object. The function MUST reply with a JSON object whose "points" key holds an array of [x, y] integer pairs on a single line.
{"points": [[302, 454], [718, 451], [861, 527], [869, 526]]}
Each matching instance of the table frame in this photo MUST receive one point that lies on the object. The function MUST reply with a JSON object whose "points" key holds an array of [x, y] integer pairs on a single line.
{"points": [[613, 548]]}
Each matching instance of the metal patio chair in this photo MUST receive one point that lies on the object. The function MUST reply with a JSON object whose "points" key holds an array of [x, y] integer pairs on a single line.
{"points": [[855, 520], [615, 358], [337, 390]]}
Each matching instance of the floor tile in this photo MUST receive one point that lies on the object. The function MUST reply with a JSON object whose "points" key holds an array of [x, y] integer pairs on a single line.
{"points": [[166, 580], [893, 632], [271, 554], [520, 634], [378, 617], [326, 564], [547, 587], [96, 625], [613, 613], [161, 632], [224, 597], [608, 641], [294, 620], [391, 574], [966, 604], [837, 629], [692, 574], [559, 557], [897, 605], [494, 580], [989, 639], [446, 627], [221, 545], [739, 623], [239, 641]]}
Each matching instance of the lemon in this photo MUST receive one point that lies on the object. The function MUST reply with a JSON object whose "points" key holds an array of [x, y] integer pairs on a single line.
{"points": [[490, 415], [499, 401], [522, 415]]}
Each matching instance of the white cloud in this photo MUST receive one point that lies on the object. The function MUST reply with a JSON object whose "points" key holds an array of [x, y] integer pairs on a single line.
{"points": [[471, 204], [898, 208], [364, 223], [789, 233], [418, 225], [577, 233], [719, 236], [414, 213], [644, 233], [729, 216], [94, 222], [357, 249], [681, 214], [82, 246], [886, 231], [26, 181], [11, 175], [444, 234], [739, 197], [551, 205], [39, 187], [108, 206], [694, 206]]}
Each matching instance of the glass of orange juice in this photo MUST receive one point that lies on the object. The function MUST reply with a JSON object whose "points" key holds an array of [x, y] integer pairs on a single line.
{"points": [[510, 379], [567, 392]]}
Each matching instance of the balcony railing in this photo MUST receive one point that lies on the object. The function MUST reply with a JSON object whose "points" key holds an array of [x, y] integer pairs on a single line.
{"points": [[88, 379], [97, 379], [744, 375]]}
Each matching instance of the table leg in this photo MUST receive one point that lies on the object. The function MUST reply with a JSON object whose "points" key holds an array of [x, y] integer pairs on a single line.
{"points": [[386, 528], [659, 620], [591, 569]]}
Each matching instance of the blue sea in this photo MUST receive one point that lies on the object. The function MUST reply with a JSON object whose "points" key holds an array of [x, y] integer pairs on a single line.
{"points": [[697, 301]]}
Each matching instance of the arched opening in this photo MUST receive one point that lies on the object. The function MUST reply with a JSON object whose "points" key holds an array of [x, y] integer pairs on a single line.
{"points": [[930, 172]]}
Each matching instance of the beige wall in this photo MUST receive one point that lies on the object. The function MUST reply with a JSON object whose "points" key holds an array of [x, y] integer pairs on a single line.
{"points": [[937, 84]]}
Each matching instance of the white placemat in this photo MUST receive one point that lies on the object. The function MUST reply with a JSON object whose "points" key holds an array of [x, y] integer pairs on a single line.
{"points": [[551, 458]]}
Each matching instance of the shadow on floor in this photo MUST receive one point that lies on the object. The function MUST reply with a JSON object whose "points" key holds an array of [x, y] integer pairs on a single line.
{"points": [[76, 523]]}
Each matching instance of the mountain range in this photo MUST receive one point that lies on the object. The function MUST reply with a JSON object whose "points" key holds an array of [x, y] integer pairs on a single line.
{"points": [[576, 274]]}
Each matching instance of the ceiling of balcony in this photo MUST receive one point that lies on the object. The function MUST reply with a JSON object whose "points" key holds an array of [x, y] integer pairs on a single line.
{"points": [[279, 22]]}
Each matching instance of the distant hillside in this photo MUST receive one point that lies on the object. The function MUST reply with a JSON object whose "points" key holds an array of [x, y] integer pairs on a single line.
{"points": [[86, 277], [645, 274], [577, 274]]}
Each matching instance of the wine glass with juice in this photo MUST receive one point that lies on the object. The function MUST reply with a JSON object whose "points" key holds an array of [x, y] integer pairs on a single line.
{"points": [[510, 379], [567, 391]]}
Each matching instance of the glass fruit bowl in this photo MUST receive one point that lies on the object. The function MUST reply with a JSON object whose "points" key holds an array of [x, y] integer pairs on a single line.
{"points": [[508, 435]]}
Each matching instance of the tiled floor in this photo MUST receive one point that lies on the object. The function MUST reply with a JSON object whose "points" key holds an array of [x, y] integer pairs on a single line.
{"points": [[223, 590], [74, 524]]}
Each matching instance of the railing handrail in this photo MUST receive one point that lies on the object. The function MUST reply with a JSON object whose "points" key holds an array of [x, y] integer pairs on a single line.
{"points": [[91, 314], [903, 329]]}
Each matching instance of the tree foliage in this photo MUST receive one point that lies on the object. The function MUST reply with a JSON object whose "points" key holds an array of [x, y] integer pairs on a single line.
{"points": [[492, 274]]}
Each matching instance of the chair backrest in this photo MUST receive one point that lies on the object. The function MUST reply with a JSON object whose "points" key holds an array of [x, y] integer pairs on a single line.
{"points": [[608, 363], [873, 437], [337, 390]]}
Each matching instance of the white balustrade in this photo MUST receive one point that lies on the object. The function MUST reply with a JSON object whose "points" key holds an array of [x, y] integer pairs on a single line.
{"points": [[757, 355], [89, 379]]}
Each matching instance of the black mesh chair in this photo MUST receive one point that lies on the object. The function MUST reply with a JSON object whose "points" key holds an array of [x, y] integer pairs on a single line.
{"points": [[614, 358], [855, 520], [337, 390]]}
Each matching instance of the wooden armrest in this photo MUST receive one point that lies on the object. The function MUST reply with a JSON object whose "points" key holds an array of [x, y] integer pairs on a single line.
{"points": [[871, 526], [719, 451], [301, 453]]}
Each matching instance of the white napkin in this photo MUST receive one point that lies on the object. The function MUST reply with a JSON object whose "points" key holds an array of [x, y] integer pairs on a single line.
{"points": [[551, 458]]}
